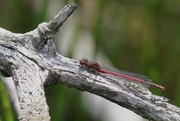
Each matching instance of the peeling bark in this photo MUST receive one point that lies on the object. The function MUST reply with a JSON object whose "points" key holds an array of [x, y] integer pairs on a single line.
{"points": [[33, 63]]}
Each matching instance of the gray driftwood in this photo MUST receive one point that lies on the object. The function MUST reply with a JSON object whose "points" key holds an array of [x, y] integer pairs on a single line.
{"points": [[33, 63]]}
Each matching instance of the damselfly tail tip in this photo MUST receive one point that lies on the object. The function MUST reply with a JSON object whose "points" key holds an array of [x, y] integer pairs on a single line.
{"points": [[160, 87]]}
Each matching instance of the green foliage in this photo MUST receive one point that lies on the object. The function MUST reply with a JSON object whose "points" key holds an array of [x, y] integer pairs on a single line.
{"points": [[6, 110]]}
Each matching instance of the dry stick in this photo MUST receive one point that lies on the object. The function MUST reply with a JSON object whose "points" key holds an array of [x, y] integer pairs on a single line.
{"points": [[32, 61]]}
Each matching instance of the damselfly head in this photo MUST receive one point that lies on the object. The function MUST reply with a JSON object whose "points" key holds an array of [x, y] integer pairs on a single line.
{"points": [[83, 61]]}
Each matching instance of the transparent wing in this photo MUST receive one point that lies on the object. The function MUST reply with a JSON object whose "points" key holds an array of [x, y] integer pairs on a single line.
{"points": [[131, 74]]}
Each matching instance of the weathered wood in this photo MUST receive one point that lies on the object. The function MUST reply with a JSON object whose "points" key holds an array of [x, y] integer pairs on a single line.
{"points": [[32, 61]]}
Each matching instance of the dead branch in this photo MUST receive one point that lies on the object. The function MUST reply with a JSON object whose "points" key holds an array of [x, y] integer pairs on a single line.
{"points": [[33, 63]]}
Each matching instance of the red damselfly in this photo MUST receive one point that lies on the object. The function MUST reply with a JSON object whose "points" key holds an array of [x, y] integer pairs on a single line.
{"points": [[91, 65]]}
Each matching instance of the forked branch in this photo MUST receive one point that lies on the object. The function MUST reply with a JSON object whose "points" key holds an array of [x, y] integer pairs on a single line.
{"points": [[32, 61]]}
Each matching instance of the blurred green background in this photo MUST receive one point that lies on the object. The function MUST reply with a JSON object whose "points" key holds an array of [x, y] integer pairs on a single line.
{"points": [[141, 36]]}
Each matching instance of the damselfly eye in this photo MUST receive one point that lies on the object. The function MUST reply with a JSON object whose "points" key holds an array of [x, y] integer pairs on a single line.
{"points": [[83, 61]]}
